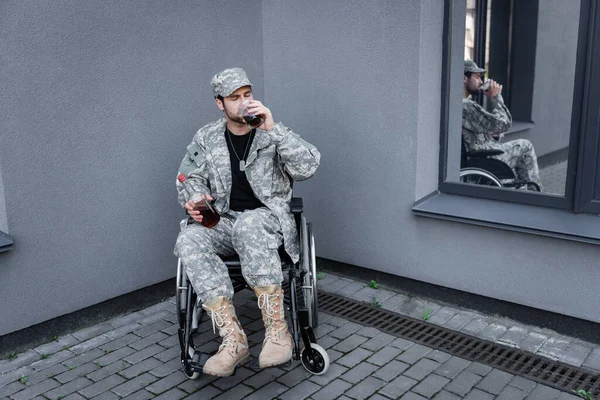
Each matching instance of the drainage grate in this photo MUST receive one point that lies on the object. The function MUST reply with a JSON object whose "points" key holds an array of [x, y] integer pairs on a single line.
{"points": [[558, 375]]}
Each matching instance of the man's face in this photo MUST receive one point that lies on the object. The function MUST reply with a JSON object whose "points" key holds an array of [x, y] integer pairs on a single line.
{"points": [[230, 104], [473, 83]]}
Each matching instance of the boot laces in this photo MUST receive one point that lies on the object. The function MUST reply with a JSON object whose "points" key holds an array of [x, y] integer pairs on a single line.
{"points": [[267, 303], [219, 320]]}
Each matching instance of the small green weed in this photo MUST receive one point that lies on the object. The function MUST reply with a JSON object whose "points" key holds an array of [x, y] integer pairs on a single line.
{"points": [[410, 295], [69, 368], [583, 394], [44, 356], [320, 275], [426, 314], [55, 338], [373, 284], [376, 303], [23, 380], [12, 356]]}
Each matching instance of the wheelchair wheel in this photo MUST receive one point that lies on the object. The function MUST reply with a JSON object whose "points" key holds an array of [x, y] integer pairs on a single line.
{"points": [[315, 360], [309, 268], [479, 177], [186, 364]]}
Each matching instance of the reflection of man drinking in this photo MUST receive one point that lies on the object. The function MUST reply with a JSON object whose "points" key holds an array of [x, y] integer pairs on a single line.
{"points": [[480, 127]]}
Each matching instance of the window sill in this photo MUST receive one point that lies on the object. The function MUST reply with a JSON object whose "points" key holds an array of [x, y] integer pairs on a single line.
{"points": [[536, 220], [6, 242]]}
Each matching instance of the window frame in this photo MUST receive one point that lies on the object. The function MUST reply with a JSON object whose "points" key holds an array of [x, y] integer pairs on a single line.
{"points": [[578, 135]]}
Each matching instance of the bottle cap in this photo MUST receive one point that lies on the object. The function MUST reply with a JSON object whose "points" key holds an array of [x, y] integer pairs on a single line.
{"points": [[181, 178]]}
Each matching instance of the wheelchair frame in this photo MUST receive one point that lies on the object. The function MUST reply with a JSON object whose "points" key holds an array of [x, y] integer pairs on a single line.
{"points": [[303, 319]]}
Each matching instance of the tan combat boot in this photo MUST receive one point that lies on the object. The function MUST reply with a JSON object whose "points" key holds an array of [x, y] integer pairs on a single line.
{"points": [[277, 346], [234, 349]]}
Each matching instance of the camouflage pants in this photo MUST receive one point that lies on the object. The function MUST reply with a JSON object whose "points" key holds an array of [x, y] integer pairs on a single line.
{"points": [[520, 156], [255, 235]]}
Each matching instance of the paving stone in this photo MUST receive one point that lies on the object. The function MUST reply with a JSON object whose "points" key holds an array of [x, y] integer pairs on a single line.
{"points": [[293, 377], [126, 319], [365, 388], [300, 391], [476, 325], [354, 357], [358, 373], [102, 386], [443, 315], [523, 384], [51, 360], [402, 344], [332, 391], [422, 368], [89, 344], [391, 370], [92, 331], [171, 329], [443, 395], [77, 396], [532, 342], [122, 331], [452, 367], [493, 331], [139, 395], [134, 385], [430, 385], [393, 302], [68, 388], [513, 337], [114, 356], [327, 342], [542, 392], [511, 393], [350, 343], [168, 354], [414, 353], [384, 356], [575, 354], [166, 368], [368, 332], [568, 396], [140, 367], [268, 375], [11, 388], [375, 397], [479, 368], [438, 356], [554, 348], [153, 328], [334, 371], [418, 308], [398, 387], [412, 396], [157, 308], [337, 321], [166, 383], [119, 342], [74, 373], [57, 345], [45, 374], [110, 369], [495, 381], [334, 355], [270, 391], [241, 374], [324, 329], [458, 321], [463, 383], [149, 340], [12, 376], [172, 394], [477, 394], [191, 386], [593, 360], [367, 294], [346, 330], [378, 341], [141, 355], [350, 289], [83, 358], [169, 342], [149, 320], [21, 360]]}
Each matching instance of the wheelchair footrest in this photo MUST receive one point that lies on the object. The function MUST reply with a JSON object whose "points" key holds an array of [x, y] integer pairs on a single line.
{"points": [[198, 361]]}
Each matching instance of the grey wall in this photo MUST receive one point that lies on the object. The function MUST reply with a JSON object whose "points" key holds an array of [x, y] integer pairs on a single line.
{"points": [[353, 78], [558, 28], [98, 101]]}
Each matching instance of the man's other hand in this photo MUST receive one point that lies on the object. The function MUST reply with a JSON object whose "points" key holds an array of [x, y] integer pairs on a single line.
{"points": [[493, 90], [189, 206]]}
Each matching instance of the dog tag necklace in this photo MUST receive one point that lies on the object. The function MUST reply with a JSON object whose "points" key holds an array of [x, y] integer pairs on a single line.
{"points": [[241, 161]]}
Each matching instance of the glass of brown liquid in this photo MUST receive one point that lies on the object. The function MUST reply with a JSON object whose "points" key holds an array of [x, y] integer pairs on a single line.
{"points": [[210, 217], [251, 119]]}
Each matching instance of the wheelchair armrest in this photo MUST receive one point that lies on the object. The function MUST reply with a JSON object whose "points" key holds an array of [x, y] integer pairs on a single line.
{"points": [[483, 153], [297, 205]]}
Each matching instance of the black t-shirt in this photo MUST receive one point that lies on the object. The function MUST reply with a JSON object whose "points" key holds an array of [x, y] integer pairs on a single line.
{"points": [[242, 197]]}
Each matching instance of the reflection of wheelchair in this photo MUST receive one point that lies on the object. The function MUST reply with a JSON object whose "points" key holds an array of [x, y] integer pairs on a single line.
{"points": [[304, 318], [477, 167]]}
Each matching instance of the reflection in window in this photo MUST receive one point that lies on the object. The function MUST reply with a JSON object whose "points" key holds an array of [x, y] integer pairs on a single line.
{"points": [[529, 48]]}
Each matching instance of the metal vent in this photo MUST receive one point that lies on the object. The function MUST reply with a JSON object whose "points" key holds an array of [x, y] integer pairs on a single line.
{"points": [[558, 375]]}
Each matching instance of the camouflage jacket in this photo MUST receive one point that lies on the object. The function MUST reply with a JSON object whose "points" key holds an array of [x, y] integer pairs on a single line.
{"points": [[479, 125], [275, 157]]}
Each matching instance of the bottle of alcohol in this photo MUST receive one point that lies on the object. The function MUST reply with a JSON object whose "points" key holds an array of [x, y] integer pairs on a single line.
{"points": [[210, 217]]}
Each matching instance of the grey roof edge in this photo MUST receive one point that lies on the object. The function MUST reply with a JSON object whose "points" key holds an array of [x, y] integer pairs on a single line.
{"points": [[6, 242]]}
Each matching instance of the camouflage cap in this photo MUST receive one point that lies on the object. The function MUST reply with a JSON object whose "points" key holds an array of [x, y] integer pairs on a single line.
{"points": [[228, 81], [470, 66]]}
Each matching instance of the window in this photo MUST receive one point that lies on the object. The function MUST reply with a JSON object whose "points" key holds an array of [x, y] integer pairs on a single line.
{"points": [[562, 51]]}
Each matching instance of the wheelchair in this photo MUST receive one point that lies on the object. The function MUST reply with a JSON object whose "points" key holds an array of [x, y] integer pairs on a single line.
{"points": [[477, 167], [302, 304]]}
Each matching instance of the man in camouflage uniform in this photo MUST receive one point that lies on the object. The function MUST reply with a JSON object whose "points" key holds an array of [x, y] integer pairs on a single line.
{"points": [[248, 173], [480, 127]]}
